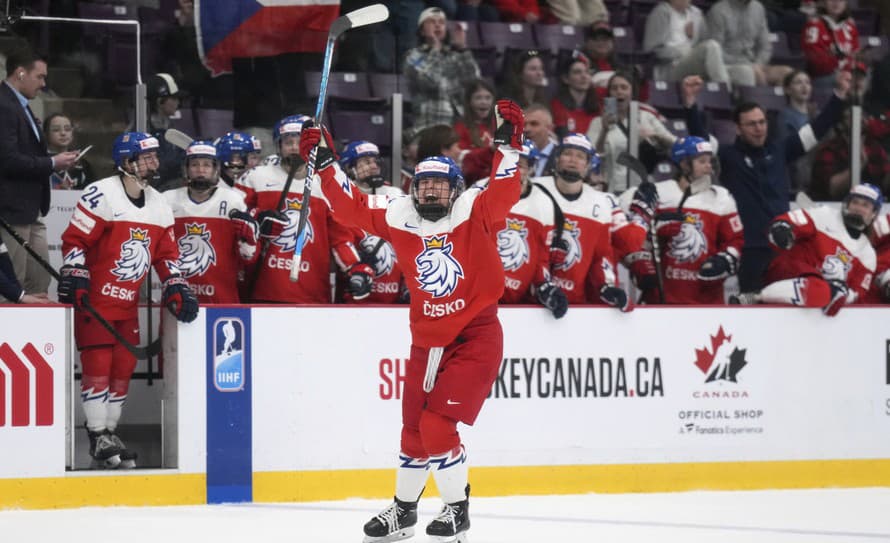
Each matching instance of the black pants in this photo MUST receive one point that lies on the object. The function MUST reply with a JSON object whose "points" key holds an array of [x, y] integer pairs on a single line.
{"points": [[755, 260]]}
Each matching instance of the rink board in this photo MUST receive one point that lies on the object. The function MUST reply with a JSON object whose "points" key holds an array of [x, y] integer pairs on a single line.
{"points": [[656, 400]]}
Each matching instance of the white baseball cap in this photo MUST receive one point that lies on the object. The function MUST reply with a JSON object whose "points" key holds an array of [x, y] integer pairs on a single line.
{"points": [[429, 13]]}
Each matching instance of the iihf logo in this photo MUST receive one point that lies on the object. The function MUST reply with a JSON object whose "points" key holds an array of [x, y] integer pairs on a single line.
{"points": [[196, 253], [571, 239], [690, 243], [380, 254], [228, 354], [513, 245], [437, 271], [288, 238], [135, 259]]}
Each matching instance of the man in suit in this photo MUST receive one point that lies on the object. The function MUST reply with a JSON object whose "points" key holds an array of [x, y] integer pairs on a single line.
{"points": [[25, 167]]}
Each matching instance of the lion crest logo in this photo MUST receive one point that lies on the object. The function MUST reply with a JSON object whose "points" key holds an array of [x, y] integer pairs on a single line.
{"points": [[513, 245], [196, 253], [570, 240], [378, 254], [287, 240], [836, 267], [135, 258], [437, 271], [690, 243]]}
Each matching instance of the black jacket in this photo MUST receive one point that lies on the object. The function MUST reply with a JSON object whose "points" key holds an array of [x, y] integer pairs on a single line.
{"points": [[25, 167]]}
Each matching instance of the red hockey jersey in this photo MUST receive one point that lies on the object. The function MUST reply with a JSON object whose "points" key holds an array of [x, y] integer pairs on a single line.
{"points": [[824, 248], [210, 256], [118, 241], [826, 43], [524, 246], [880, 241], [262, 187], [711, 225], [451, 266], [589, 263]]}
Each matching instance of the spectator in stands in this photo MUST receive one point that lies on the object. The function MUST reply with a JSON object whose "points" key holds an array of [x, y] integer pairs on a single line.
{"points": [[797, 114], [829, 41], [740, 27], [599, 46], [525, 81], [438, 140], [578, 12], [59, 133], [539, 129], [438, 70], [25, 167], [610, 132], [754, 169], [518, 11], [675, 33], [474, 128], [576, 102], [163, 102], [832, 173]]}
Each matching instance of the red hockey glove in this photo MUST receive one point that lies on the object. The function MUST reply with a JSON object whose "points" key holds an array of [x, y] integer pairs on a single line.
{"points": [[559, 249], [312, 136], [642, 270], [645, 201], [178, 298], [839, 292], [74, 286], [246, 228], [510, 124]]}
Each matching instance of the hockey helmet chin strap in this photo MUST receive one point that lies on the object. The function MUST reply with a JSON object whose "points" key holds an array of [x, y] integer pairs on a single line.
{"points": [[569, 176], [374, 181], [142, 181], [432, 368]]}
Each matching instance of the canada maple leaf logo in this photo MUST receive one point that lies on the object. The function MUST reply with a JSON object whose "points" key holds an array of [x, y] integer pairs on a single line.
{"points": [[715, 364]]}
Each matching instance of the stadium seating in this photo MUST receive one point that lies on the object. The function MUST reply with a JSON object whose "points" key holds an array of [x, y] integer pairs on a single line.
{"points": [[770, 98], [366, 125], [556, 37], [506, 35]]}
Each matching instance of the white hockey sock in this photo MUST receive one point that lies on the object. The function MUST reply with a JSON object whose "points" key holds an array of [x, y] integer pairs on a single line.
{"points": [[95, 407], [411, 476], [450, 470], [787, 291], [115, 406]]}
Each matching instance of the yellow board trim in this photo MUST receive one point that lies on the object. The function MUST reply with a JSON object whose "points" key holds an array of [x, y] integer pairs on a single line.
{"points": [[137, 489], [103, 490], [612, 478]]}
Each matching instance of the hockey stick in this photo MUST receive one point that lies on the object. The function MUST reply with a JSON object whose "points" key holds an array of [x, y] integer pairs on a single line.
{"points": [[634, 164], [140, 353], [372, 14], [178, 138]]}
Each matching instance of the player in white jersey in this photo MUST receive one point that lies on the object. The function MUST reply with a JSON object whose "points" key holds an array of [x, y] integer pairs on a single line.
{"points": [[120, 227], [215, 234]]}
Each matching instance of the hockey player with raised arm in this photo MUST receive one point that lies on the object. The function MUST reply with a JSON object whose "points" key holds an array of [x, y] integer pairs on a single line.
{"points": [[583, 262], [363, 165], [445, 239], [325, 237], [120, 227], [825, 258], [215, 234], [524, 244], [699, 232]]}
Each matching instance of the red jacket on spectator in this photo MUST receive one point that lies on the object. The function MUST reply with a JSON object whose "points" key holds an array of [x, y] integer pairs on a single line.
{"points": [[515, 10], [566, 119], [826, 43], [465, 140]]}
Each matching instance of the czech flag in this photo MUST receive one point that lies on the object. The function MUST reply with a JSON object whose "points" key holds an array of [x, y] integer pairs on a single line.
{"points": [[260, 28]]}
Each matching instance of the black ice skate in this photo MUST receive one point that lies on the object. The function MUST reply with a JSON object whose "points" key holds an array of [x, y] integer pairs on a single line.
{"points": [[394, 523], [452, 523], [128, 457], [106, 455]]}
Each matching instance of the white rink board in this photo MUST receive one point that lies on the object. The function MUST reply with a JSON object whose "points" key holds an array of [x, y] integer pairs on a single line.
{"points": [[819, 394], [32, 449]]}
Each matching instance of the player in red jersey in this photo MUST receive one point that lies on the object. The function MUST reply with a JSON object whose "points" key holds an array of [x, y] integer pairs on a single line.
{"points": [[879, 235], [699, 232], [524, 244], [324, 236], [831, 40], [215, 234], [120, 227], [825, 259], [444, 237], [362, 163], [583, 257]]}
